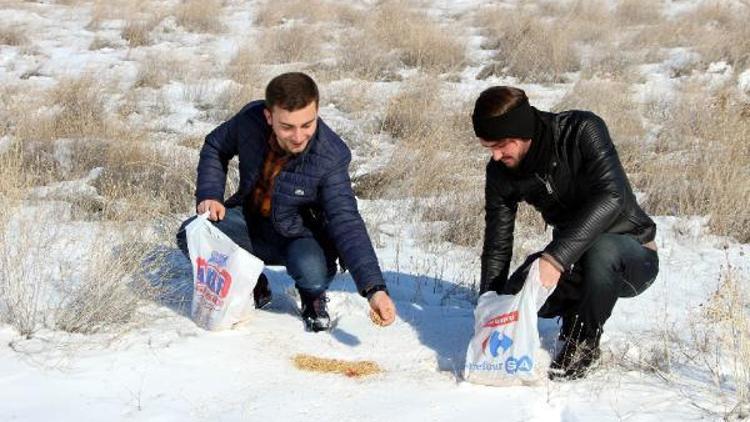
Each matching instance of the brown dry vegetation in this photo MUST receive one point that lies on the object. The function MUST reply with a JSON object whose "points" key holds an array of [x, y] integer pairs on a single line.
{"points": [[638, 12], [703, 164], [137, 181], [397, 34], [530, 47], [274, 13], [200, 15], [74, 107], [12, 36], [618, 110], [289, 44], [137, 33], [717, 30]]}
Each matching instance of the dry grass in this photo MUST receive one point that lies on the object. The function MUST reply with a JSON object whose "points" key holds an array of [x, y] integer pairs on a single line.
{"points": [[359, 56], [245, 69], [436, 162], [290, 44], [638, 12], [13, 180], [728, 315], [200, 15], [350, 369], [277, 12], [74, 107], [397, 34], [419, 41], [137, 33], [724, 33], [155, 70], [100, 43], [530, 47], [707, 135], [23, 291], [110, 292], [136, 181], [103, 294], [233, 98], [618, 110], [12, 36], [717, 30], [125, 10]]}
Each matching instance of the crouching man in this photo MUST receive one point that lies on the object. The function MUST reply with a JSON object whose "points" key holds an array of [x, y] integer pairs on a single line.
{"points": [[602, 247], [294, 205]]}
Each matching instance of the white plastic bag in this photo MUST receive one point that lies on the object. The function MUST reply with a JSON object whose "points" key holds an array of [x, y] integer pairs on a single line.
{"points": [[505, 349], [224, 276]]}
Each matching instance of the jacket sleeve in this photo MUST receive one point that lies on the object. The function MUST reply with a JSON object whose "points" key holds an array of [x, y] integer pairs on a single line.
{"points": [[601, 168], [218, 149], [500, 219], [347, 229]]}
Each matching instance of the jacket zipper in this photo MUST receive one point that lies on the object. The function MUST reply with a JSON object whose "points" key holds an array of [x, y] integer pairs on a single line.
{"points": [[548, 185]]}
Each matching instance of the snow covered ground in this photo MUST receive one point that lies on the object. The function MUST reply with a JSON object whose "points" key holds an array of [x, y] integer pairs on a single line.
{"points": [[168, 369], [171, 370]]}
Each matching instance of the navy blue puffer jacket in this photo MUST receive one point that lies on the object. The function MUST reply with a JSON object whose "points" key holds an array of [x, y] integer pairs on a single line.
{"points": [[317, 180]]}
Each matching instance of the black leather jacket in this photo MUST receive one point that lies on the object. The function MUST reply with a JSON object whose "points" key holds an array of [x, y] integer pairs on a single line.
{"points": [[577, 183]]}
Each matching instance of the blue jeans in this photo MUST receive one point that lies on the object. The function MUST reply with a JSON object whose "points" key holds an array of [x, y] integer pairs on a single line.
{"points": [[615, 266], [304, 258]]}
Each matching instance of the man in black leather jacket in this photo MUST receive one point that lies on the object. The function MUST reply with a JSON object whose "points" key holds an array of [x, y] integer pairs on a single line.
{"points": [[566, 166]]}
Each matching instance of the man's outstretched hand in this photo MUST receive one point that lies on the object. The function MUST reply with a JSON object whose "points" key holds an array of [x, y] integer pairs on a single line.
{"points": [[383, 310], [548, 273], [215, 209]]}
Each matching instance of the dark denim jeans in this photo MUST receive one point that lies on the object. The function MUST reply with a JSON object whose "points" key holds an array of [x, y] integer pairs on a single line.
{"points": [[615, 266], [304, 258]]}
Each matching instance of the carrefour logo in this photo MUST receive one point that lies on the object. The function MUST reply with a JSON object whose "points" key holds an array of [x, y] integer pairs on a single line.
{"points": [[213, 279], [495, 341]]}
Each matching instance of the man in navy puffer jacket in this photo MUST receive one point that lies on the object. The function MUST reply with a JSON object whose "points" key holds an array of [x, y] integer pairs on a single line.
{"points": [[295, 205]]}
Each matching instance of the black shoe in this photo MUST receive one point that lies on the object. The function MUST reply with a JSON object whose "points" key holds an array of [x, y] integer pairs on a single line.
{"points": [[314, 313], [576, 359], [261, 292]]}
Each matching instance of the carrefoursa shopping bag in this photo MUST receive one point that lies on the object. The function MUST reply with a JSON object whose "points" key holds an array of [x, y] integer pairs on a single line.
{"points": [[224, 276], [505, 349]]}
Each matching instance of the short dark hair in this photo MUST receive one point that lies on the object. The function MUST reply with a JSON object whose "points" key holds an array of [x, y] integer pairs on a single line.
{"points": [[291, 91], [498, 100]]}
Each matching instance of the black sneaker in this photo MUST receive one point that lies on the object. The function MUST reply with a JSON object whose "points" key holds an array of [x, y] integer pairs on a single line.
{"points": [[314, 313], [261, 292], [575, 360]]}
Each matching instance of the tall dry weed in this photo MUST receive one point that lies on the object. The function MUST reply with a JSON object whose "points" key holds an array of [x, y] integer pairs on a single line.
{"points": [[279, 12], [397, 34], [74, 107], [200, 15], [613, 102], [704, 163], [638, 12], [108, 295], [101, 293], [290, 44], [13, 36], [529, 47]]}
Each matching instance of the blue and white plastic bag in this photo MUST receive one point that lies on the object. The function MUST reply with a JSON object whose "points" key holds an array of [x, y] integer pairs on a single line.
{"points": [[224, 276], [505, 349]]}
